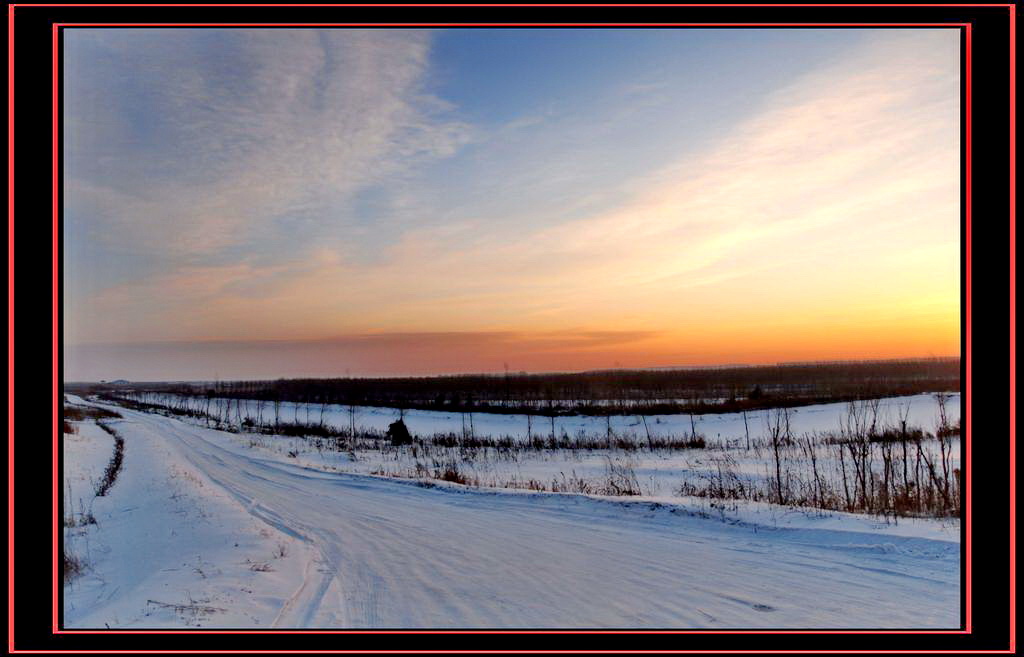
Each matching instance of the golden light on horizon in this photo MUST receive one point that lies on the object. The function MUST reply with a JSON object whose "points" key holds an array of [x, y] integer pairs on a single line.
{"points": [[821, 223]]}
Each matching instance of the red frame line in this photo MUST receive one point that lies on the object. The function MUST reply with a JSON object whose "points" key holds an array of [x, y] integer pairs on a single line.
{"points": [[519, 652], [507, 25], [968, 626], [56, 391], [516, 652], [58, 630], [56, 28], [1013, 324], [968, 498], [55, 263], [10, 319], [528, 5]]}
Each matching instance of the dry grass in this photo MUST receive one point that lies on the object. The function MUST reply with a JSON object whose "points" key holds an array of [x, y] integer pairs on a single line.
{"points": [[71, 565], [868, 466], [116, 461], [80, 413]]}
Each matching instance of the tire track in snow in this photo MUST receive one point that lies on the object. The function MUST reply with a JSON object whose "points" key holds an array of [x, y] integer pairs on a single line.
{"points": [[300, 608], [403, 556]]}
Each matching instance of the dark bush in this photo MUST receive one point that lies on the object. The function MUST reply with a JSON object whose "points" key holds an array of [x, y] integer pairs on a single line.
{"points": [[79, 413], [399, 433]]}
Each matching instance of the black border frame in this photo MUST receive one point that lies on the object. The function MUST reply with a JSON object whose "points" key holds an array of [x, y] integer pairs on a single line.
{"points": [[32, 318]]}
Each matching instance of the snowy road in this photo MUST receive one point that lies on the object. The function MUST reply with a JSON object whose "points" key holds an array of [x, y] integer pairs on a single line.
{"points": [[396, 555]]}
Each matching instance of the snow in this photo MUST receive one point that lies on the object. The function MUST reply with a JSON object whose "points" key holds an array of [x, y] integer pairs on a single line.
{"points": [[659, 473], [195, 509], [923, 412], [86, 454], [169, 547]]}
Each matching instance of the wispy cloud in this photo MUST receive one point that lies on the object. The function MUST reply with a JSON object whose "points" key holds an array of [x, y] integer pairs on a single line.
{"points": [[266, 138], [836, 198]]}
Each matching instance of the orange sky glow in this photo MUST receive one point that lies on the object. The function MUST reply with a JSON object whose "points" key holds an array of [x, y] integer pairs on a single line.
{"points": [[821, 223]]}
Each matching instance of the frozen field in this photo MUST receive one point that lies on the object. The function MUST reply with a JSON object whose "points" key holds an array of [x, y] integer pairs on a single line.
{"points": [[714, 427], [215, 529], [621, 454]]}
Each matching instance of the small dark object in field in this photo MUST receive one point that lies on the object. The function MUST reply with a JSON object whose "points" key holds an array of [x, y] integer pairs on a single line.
{"points": [[399, 433]]}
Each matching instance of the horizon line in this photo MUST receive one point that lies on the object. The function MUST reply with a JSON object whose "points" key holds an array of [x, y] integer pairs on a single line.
{"points": [[721, 366]]}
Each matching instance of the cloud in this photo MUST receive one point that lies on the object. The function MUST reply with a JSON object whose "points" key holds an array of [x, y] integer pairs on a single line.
{"points": [[362, 354], [264, 137], [861, 157], [837, 195], [826, 150]]}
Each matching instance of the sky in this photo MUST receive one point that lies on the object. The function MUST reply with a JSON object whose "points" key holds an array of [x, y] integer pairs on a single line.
{"points": [[262, 203]]}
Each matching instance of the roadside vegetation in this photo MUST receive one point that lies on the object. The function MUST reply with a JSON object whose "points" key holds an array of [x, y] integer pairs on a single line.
{"points": [[870, 464], [116, 460], [77, 521]]}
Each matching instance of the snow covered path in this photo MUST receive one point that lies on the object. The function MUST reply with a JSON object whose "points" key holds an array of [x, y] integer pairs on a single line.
{"points": [[393, 554]]}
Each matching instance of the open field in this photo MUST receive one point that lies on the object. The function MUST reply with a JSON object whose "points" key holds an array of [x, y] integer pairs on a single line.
{"points": [[892, 457], [185, 506], [204, 529]]}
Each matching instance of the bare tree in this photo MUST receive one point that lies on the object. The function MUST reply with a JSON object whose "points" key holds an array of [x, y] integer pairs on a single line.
{"points": [[646, 430], [352, 421], [777, 423], [903, 412]]}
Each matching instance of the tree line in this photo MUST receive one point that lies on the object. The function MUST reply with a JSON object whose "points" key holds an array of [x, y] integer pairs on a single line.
{"points": [[653, 391]]}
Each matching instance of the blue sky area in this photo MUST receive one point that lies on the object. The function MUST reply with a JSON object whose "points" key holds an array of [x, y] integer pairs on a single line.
{"points": [[213, 177]]}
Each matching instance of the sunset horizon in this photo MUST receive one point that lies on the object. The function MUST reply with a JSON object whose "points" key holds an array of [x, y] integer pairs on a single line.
{"points": [[414, 355], [247, 203]]}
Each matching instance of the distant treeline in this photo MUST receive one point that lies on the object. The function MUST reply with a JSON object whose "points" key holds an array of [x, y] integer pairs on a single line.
{"points": [[604, 392]]}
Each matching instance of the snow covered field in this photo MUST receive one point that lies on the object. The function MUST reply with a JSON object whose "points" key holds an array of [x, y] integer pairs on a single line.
{"points": [[715, 427], [214, 529], [814, 470], [169, 548]]}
